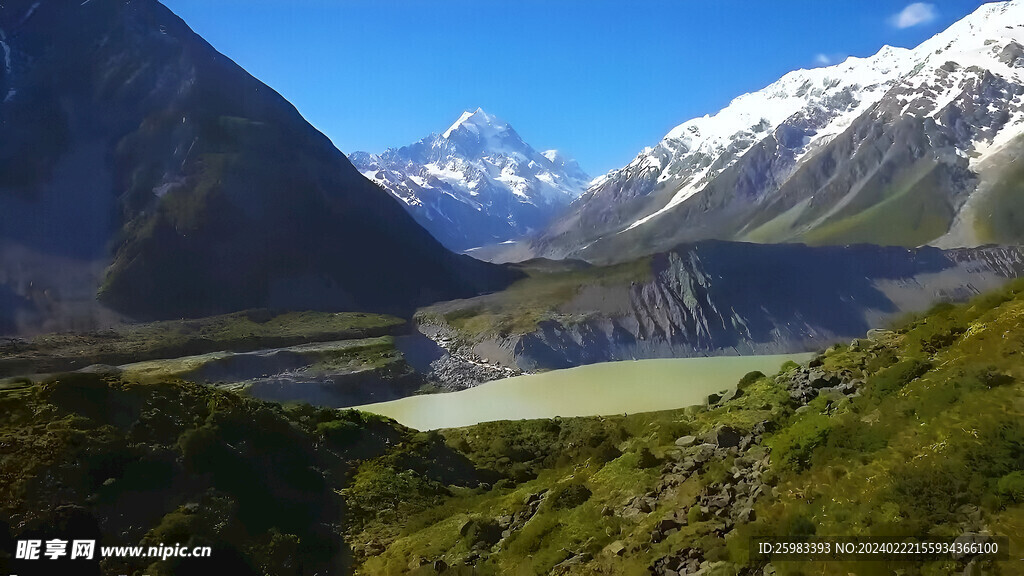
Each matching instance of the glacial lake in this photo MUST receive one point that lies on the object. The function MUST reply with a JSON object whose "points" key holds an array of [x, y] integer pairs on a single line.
{"points": [[593, 390]]}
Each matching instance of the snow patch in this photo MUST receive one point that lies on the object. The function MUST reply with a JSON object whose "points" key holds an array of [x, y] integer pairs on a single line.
{"points": [[31, 10], [7, 55]]}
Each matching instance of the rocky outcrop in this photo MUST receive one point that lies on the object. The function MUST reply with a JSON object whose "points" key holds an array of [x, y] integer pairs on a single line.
{"points": [[732, 502], [458, 365]]}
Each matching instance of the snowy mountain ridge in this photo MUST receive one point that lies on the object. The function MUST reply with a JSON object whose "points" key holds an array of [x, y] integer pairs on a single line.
{"points": [[840, 93], [476, 183], [744, 157]]}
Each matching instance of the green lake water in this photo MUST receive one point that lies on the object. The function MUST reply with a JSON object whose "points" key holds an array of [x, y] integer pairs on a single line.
{"points": [[597, 389]]}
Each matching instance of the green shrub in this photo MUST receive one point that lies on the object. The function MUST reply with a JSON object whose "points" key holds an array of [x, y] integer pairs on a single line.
{"points": [[792, 447], [339, 431], [752, 377], [992, 377], [895, 377], [694, 515], [569, 496], [647, 459], [787, 366], [1011, 487]]}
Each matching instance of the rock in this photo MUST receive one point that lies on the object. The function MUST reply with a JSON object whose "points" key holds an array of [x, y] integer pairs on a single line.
{"points": [[644, 506], [672, 480], [616, 548], [686, 441], [440, 565], [816, 361], [724, 437], [819, 379], [764, 427], [607, 511], [746, 515], [657, 536], [731, 395], [535, 497], [876, 334], [704, 453], [688, 465], [574, 559], [102, 369], [669, 523], [714, 399]]}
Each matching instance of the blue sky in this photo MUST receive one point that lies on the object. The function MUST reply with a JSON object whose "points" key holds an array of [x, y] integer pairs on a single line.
{"points": [[598, 79]]}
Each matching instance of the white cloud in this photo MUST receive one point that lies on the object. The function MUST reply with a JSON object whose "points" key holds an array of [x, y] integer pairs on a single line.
{"points": [[914, 14], [828, 59]]}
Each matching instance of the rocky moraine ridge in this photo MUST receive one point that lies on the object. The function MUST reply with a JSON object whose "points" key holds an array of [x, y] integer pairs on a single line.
{"points": [[725, 298]]}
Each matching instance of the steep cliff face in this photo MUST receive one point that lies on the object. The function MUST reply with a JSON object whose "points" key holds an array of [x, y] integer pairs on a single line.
{"points": [[723, 298]]}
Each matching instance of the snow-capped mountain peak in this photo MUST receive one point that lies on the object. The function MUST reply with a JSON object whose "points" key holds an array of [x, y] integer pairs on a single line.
{"points": [[476, 134], [830, 98], [956, 99], [477, 182], [477, 122]]}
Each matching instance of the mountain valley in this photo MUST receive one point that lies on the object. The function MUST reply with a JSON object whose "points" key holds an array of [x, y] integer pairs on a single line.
{"points": [[801, 317]]}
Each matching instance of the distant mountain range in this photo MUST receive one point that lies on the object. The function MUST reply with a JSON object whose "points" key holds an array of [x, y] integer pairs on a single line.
{"points": [[906, 147], [141, 167], [477, 183]]}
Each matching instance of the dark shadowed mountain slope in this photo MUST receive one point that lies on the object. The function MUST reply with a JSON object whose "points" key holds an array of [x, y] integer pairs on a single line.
{"points": [[140, 164]]}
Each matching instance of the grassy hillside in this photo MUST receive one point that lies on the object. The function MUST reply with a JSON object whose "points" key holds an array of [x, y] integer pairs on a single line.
{"points": [[86, 457], [544, 294], [1000, 214], [911, 212], [236, 332], [913, 432]]}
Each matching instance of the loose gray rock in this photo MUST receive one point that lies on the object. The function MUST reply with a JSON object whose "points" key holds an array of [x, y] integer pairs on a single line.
{"points": [[686, 441]]}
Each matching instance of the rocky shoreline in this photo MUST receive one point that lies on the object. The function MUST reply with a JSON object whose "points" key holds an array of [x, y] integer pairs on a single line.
{"points": [[460, 367]]}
